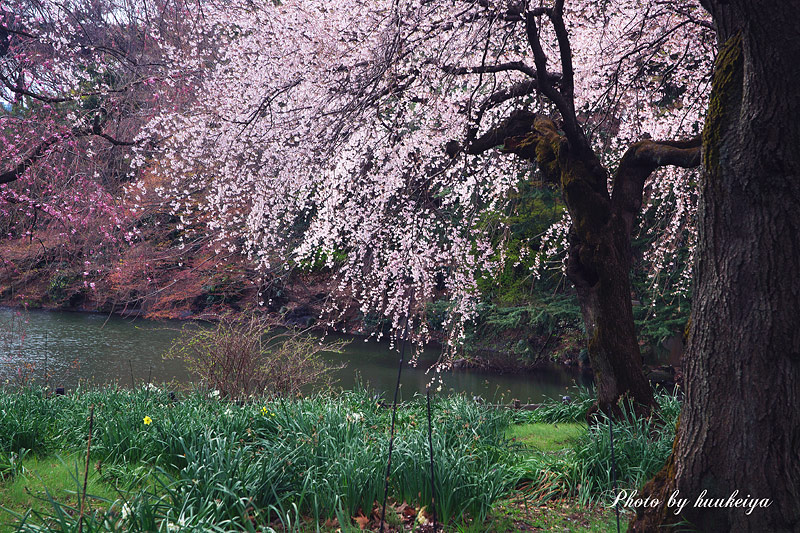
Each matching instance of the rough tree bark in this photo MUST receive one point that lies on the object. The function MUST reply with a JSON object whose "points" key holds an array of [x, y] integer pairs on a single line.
{"points": [[740, 425]]}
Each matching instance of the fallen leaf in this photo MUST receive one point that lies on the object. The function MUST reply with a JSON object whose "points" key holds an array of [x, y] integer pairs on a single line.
{"points": [[409, 512], [362, 521]]}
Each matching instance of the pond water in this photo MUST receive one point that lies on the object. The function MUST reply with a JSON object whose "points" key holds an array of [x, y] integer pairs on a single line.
{"points": [[94, 348]]}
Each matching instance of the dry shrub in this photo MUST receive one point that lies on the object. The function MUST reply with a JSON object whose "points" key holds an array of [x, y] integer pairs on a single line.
{"points": [[249, 355]]}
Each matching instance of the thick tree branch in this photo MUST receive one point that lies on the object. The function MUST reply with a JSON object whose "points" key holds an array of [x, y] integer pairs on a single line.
{"points": [[516, 12], [41, 151], [686, 13], [474, 146], [112, 140], [36, 154], [484, 69], [22, 91], [522, 88], [572, 128], [639, 161], [99, 121], [16, 32], [72, 98], [567, 82], [518, 124]]}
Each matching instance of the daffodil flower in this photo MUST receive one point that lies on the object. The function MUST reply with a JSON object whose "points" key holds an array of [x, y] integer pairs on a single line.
{"points": [[147, 421]]}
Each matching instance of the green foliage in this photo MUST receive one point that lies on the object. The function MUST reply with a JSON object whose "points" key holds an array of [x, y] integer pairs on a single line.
{"points": [[663, 308], [321, 259], [556, 410], [225, 286], [197, 461], [530, 211], [41, 479], [472, 466], [544, 315], [11, 464], [641, 447], [661, 320], [24, 421], [517, 306], [59, 285]]}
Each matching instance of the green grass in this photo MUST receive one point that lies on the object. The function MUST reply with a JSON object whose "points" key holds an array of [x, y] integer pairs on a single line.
{"points": [[545, 437], [50, 477], [202, 463]]}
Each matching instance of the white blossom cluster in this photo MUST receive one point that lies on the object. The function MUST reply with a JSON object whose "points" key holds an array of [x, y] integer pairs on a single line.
{"points": [[316, 132]]}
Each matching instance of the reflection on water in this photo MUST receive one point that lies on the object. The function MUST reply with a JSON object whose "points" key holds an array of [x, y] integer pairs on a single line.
{"points": [[102, 349]]}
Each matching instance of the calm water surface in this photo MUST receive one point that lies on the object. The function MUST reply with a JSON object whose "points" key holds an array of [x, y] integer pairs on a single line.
{"points": [[102, 349]]}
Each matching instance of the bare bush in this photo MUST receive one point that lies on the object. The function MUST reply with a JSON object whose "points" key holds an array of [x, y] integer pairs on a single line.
{"points": [[248, 355]]}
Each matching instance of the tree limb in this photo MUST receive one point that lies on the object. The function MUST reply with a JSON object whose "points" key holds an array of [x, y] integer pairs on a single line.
{"points": [[572, 128], [36, 154], [517, 124], [41, 151], [567, 72], [639, 161], [21, 90], [483, 69]]}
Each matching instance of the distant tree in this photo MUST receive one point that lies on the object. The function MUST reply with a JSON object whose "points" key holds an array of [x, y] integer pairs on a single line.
{"points": [[739, 431], [371, 135], [77, 79]]}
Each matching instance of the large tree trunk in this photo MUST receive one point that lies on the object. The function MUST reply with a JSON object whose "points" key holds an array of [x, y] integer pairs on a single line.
{"points": [[600, 238], [599, 266], [740, 426], [599, 262]]}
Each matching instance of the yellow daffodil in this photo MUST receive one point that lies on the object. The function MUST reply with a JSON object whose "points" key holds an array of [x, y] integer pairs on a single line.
{"points": [[147, 421]]}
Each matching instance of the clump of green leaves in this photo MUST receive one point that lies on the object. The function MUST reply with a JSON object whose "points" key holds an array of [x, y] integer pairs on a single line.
{"points": [[641, 447]]}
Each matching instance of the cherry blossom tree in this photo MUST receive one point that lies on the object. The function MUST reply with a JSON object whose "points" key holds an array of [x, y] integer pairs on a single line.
{"points": [[375, 135], [77, 80]]}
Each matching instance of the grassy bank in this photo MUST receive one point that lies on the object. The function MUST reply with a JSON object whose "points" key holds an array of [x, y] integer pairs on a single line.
{"points": [[167, 462]]}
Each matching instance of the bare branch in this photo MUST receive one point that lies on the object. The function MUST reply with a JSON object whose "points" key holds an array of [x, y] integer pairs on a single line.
{"points": [[567, 72]]}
